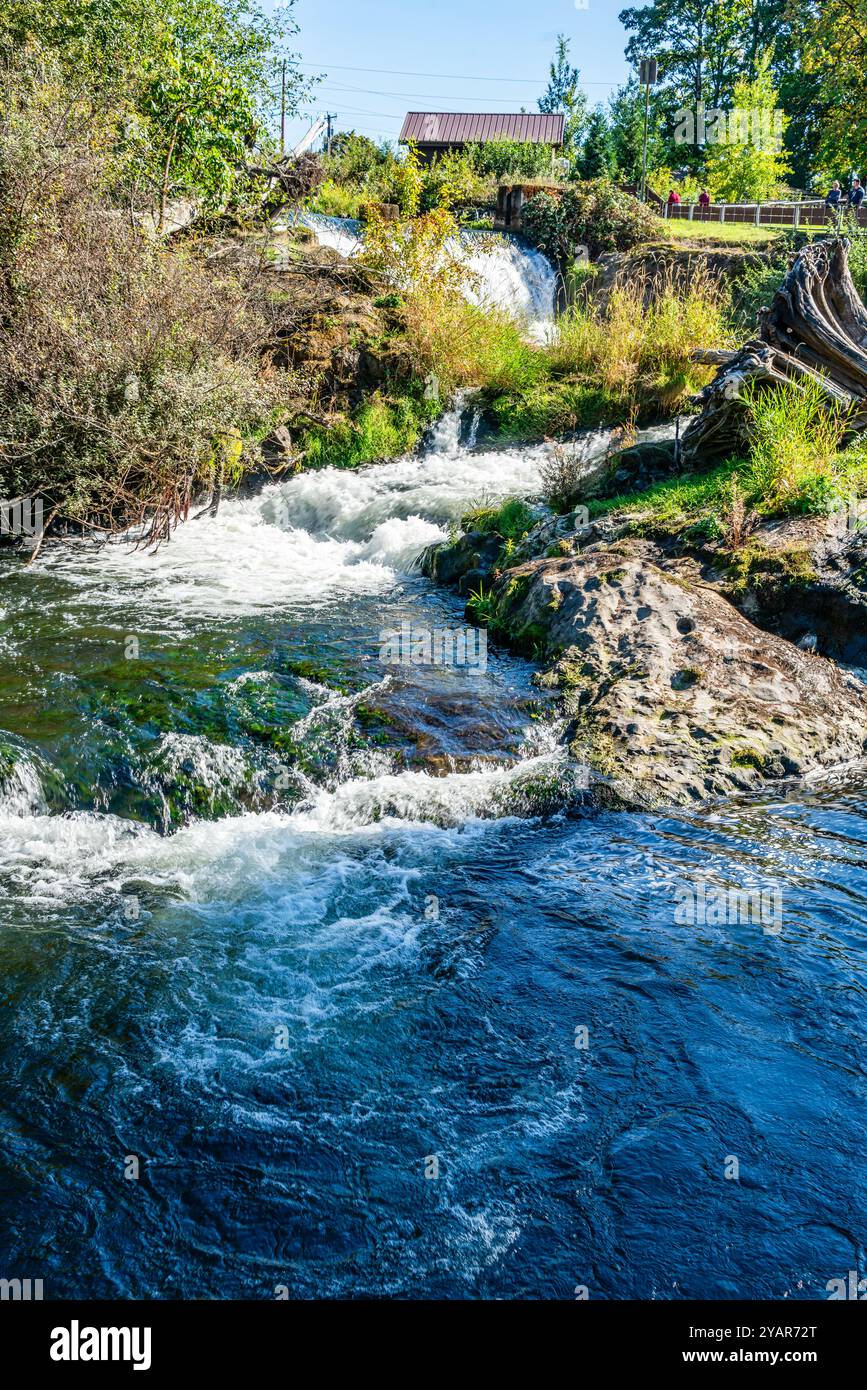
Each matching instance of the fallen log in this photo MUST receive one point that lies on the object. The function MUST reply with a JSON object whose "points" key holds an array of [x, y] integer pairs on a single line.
{"points": [[814, 330]]}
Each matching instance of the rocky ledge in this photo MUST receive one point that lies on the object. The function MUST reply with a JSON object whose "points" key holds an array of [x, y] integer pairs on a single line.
{"points": [[673, 694]]}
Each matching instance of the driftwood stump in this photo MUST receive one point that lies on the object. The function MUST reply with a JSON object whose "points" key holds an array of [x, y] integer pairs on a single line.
{"points": [[815, 329]]}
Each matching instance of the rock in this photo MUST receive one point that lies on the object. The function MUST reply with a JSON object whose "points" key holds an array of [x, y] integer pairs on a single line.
{"points": [[675, 695], [277, 449], [471, 556]]}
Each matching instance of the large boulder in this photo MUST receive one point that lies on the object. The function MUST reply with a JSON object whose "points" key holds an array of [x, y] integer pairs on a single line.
{"points": [[674, 694]]}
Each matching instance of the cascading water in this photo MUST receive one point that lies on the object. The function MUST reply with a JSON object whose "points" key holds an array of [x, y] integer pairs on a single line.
{"points": [[502, 271], [285, 921]]}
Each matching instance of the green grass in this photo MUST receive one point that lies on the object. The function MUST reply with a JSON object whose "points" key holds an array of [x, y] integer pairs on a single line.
{"points": [[683, 497], [511, 520], [745, 233], [382, 428]]}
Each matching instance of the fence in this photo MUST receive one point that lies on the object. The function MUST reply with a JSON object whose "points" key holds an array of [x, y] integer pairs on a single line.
{"points": [[810, 212]]}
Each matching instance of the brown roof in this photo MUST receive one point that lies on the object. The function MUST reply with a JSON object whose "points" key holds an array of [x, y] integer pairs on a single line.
{"points": [[461, 127]]}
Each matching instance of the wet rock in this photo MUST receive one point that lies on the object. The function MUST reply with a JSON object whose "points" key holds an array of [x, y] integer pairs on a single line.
{"points": [[474, 554], [675, 695]]}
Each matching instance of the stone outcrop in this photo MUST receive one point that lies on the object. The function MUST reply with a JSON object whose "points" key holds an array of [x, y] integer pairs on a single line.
{"points": [[674, 695]]}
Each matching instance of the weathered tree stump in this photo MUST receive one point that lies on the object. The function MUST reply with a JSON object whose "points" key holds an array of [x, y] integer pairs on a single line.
{"points": [[815, 329]]}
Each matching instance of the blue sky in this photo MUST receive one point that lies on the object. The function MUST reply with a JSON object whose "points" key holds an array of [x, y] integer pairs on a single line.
{"points": [[376, 56]]}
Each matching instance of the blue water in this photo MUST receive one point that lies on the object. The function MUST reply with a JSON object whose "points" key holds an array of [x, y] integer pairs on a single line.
{"points": [[292, 1002]]}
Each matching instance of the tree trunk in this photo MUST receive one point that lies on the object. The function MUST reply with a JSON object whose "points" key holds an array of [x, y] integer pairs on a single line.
{"points": [[815, 330]]}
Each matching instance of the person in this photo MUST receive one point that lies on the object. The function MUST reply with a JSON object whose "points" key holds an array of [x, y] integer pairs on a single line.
{"points": [[834, 195], [704, 202], [673, 198], [856, 194]]}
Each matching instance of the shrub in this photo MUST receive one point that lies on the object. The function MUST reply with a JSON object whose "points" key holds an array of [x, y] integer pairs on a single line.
{"points": [[127, 370], [594, 214]]}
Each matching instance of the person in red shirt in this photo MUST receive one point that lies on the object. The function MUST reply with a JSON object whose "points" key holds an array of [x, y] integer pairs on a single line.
{"points": [[673, 198]]}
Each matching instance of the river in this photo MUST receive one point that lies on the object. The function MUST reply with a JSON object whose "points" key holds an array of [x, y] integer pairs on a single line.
{"points": [[299, 948]]}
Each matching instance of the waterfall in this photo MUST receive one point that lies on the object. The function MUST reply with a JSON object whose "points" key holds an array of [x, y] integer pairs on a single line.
{"points": [[510, 276], [502, 272]]}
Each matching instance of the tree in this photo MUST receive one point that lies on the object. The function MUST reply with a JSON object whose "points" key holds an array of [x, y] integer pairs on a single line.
{"points": [[596, 158], [832, 39], [627, 132], [563, 94], [750, 163], [191, 82], [699, 44]]}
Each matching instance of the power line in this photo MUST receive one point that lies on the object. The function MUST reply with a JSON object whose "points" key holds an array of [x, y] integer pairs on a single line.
{"points": [[451, 76], [426, 96]]}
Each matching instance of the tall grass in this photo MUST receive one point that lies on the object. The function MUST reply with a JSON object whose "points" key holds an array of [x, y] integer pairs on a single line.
{"points": [[642, 343], [794, 438]]}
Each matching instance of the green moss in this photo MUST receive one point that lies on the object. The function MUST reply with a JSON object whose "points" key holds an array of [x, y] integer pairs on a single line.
{"points": [[756, 568], [550, 407], [687, 677], [748, 757]]}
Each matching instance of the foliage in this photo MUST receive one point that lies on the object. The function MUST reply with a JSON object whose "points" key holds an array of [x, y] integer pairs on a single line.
{"points": [[644, 340], [594, 214], [563, 94], [189, 82], [596, 160], [749, 169], [663, 179], [382, 427], [627, 131], [794, 437], [512, 519], [128, 373]]}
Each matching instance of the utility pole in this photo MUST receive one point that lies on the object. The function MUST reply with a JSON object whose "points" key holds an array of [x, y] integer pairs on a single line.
{"points": [[648, 75], [330, 118], [283, 111]]}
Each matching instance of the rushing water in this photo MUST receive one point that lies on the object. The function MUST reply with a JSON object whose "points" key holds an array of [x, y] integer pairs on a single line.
{"points": [[291, 928], [503, 272]]}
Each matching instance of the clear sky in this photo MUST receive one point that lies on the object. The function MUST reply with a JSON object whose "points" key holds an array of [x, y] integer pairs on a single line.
{"points": [[382, 58]]}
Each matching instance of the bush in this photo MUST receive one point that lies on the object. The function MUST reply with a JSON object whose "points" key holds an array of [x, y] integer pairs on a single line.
{"points": [[128, 372], [641, 345], [499, 157], [594, 214]]}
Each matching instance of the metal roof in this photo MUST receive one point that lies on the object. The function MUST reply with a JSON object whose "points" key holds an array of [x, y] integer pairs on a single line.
{"points": [[461, 127]]}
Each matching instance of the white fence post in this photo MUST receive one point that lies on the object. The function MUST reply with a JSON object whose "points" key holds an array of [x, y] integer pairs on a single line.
{"points": [[797, 221], [722, 212]]}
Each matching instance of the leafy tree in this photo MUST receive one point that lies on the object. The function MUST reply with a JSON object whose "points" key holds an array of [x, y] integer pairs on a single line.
{"points": [[750, 164], [699, 44], [191, 81], [563, 94], [627, 131], [596, 159]]}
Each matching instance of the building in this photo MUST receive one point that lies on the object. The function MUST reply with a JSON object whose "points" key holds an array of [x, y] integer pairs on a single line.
{"points": [[434, 132]]}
